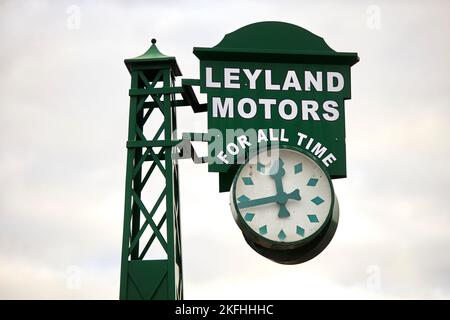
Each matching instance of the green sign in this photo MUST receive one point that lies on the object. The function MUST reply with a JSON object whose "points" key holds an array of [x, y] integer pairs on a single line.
{"points": [[274, 83]]}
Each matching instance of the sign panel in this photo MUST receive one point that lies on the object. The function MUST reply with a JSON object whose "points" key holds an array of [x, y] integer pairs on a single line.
{"points": [[274, 82]]}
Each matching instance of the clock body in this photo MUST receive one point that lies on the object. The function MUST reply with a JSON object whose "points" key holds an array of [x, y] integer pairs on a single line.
{"points": [[284, 203]]}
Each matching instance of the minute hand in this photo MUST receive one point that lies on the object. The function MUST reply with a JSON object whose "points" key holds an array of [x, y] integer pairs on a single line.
{"points": [[294, 195], [257, 202]]}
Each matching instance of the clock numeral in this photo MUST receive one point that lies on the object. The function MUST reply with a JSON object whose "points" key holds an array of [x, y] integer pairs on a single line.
{"points": [[298, 168], [247, 181], [317, 200], [281, 235], [249, 216], [243, 198], [312, 182], [300, 231], [263, 229]]}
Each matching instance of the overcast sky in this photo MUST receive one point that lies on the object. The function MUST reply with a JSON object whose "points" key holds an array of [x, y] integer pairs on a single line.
{"points": [[63, 126]]}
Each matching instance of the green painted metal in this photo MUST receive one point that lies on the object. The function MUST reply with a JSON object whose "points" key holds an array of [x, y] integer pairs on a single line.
{"points": [[153, 88], [305, 252], [282, 49], [275, 42], [279, 47], [153, 58]]}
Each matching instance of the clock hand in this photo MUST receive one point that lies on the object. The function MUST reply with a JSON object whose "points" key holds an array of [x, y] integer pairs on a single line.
{"points": [[257, 202], [278, 175], [283, 197], [283, 212], [278, 198], [282, 200]]}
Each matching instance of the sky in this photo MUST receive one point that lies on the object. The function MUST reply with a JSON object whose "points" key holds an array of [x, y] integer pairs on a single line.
{"points": [[63, 126]]}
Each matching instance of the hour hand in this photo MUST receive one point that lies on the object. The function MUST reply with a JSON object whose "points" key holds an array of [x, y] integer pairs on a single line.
{"points": [[283, 198], [283, 212]]}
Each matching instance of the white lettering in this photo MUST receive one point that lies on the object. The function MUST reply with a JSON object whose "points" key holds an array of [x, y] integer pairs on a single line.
{"points": [[262, 136], [272, 135], [251, 103], [310, 107], [282, 136], [310, 141], [243, 141], [330, 81], [252, 77], [301, 136], [223, 157], [291, 81], [222, 109], [268, 103], [319, 150], [329, 159], [316, 82], [231, 74], [209, 82], [332, 113], [269, 85], [232, 149], [282, 109]]}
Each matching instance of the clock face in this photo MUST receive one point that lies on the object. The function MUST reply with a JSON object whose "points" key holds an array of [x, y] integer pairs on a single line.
{"points": [[281, 196]]}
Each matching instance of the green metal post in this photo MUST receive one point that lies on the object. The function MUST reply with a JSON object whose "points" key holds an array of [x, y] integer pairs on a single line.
{"points": [[144, 277], [169, 191], [128, 187]]}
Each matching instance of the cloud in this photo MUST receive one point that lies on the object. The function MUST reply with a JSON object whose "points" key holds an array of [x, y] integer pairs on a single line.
{"points": [[63, 127]]}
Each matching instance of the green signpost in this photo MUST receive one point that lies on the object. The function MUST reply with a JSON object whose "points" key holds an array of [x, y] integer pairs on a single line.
{"points": [[276, 136], [282, 79], [154, 222]]}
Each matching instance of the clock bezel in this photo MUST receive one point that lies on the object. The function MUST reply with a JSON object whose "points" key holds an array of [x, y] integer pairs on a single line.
{"points": [[304, 253], [256, 237]]}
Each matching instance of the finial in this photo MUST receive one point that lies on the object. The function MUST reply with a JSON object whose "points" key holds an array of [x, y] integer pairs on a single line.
{"points": [[153, 40]]}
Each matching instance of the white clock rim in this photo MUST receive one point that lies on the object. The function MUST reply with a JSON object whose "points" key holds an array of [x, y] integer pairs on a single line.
{"points": [[306, 252], [256, 237]]}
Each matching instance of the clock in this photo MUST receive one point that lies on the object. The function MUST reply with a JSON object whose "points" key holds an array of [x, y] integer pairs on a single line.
{"points": [[284, 203]]}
